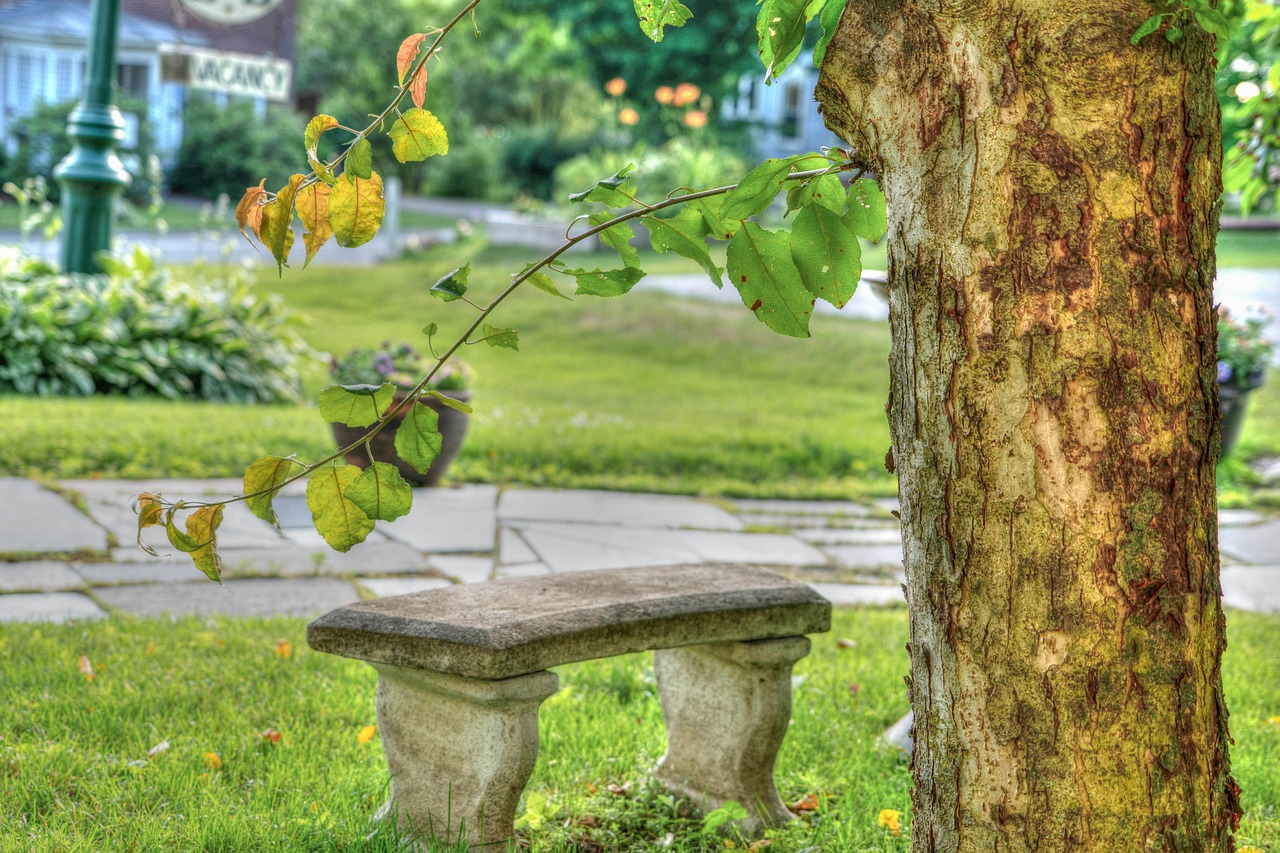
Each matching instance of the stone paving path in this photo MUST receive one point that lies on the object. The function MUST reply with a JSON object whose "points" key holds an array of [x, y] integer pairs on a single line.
{"points": [[68, 553]]}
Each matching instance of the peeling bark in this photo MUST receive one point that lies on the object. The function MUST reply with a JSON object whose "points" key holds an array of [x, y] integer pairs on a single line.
{"points": [[1052, 196]]}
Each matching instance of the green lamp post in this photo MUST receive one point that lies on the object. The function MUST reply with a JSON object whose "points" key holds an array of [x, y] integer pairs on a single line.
{"points": [[92, 175]]}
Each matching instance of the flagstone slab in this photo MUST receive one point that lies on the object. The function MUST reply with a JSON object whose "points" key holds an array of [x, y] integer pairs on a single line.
{"points": [[820, 508], [1254, 588], [465, 569], [256, 597], [56, 607], [522, 570], [292, 511], [623, 509], [583, 547], [851, 594], [854, 536], [448, 520], [1258, 543], [513, 549], [865, 556], [386, 587], [38, 576], [34, 519], [380, 556], [1239, 517]]}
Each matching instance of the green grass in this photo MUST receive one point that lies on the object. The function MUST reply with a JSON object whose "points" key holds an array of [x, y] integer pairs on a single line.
{"points": [[1254, 249], [75, 776]]}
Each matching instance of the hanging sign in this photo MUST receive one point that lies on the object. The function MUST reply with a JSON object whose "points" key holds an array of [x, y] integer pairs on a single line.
{"points": [[230, 12], [233, 73]]}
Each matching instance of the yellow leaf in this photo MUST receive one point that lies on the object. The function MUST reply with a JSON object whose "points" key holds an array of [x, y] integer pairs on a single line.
{"points": [[313, 209], [356, 207], [284, 649], [277, 221], [202, 527], [417, 135], [315, 129], [212, 760], [366, 734]]}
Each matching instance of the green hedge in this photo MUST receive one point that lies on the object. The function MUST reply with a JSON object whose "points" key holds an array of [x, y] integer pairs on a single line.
{"points": [[141, 330]]}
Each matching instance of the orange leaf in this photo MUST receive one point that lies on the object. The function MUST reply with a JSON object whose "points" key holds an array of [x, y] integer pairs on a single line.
{"points": [[366, 734], [807, 803], [284, 649], [270, 735], [418, 87], [212, 760], [249, 210], [86, 669], [406, 54]]}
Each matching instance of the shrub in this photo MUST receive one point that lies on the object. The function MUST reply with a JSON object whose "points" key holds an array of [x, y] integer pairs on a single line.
{"points": [[141, 330], [225, 149], [659, 169]]}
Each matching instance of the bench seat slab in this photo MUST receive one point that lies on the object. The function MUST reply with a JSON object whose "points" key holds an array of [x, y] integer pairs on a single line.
{"points": [[518, 626]]}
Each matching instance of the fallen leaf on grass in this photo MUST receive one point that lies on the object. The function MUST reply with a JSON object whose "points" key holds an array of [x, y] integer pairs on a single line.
{"points": [[759, 845], [270, 735], [284, 649], [854, 687], [807, 803], [366, 734], [889, 820], [846, 643], [86, 669], [618, 790], [212, 760]]}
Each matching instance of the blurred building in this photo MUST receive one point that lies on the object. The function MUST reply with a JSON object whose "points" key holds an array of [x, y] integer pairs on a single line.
{"points": [[784, 114], [237, 48]]}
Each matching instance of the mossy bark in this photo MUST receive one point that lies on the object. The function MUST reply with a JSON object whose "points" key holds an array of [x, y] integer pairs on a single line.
{"points": [[1052, 197]]}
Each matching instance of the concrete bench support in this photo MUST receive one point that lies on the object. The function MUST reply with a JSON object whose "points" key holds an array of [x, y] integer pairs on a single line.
{"points": [[459, 750], [463, 670], [727, 707]]}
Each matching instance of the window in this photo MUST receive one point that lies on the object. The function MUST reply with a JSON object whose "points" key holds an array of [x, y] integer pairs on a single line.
{"points": [[133, 80], [69, 78], [790, 127]]}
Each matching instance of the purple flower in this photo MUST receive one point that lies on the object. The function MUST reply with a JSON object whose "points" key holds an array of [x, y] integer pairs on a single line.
{"points": [[1224, 372], [384, 365]]}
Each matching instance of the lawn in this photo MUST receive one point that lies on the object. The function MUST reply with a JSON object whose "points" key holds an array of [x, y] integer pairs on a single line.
{"points": [[75, 774]]}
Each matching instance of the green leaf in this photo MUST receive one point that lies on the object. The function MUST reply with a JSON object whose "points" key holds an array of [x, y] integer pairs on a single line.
{"points": [[453, 284], [1173, 35], [337, 519], [1238, 170], [829, 20], [315, 129], [178, 538], [451, 402], [359, 160], [418, 438], [430, 329], [1214, 22], [417, 135], [656, 14], [866, 215], [780, 29], [826, 253], [618, 238], [380, 492], [825, 190], [355, 405], [606, 282], [266, 475], [686, 235], [1146, 28], [712, 212], [756, 191], [543, 282], [615, 191], [355, 210], [760, 266], [202, 528], [495, 336]]}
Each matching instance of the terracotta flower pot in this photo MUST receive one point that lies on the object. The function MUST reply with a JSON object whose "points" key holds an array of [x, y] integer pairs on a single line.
{"points": [[453, 428]]}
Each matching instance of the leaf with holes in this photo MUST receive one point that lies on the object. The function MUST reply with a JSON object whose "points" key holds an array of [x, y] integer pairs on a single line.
{"points": [[712, 212], [756, 191], [760, 267], [340, 522], [417, 135], [606, 282], [356, 208], [866, 213], [380, 492], [825, 190], [262, 482], [418, 438], [617, 237], [653, 15], [453, 284], [826, 253], [495, 336], [686, 235], [355, 405], [780, 27]]}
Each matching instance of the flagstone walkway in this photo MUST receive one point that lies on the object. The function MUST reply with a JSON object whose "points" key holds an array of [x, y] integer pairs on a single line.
{"points": [[69, 552]]}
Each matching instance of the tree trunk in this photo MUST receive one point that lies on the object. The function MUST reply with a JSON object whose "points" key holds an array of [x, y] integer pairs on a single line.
{"points": [[1052, 196]]}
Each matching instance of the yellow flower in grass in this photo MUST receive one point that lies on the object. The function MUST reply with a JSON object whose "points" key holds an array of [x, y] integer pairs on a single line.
{"points": [[1249, 849], [366, 734], [212, 760], [889, 820], [1273, 721]]}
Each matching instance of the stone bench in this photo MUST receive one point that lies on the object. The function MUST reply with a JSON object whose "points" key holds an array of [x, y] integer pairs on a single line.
{"points": [[462, 671]]}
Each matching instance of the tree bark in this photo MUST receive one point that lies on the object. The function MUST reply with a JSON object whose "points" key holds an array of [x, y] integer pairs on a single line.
{"points": [[1052, 195]]}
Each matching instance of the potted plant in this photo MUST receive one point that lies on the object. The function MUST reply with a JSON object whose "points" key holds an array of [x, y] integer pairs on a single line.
{"points": [[1243, 354], [403, 366]]}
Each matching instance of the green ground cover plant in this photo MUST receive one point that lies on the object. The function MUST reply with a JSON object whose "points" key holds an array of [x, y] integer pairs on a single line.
{"points": [[255, 743]]}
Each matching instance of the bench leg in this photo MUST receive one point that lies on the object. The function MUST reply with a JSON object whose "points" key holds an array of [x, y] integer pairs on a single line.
{"points": [[459, 750], [727, 708]]}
